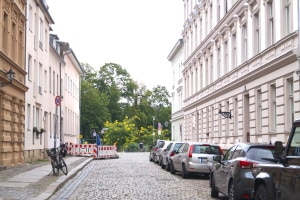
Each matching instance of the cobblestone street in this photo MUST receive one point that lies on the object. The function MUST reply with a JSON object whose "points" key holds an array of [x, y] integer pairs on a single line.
{"points": [[132, 176]]}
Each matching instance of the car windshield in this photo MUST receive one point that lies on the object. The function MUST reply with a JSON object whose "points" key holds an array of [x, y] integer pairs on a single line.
{"points": [[261, 153], [206, 149]]}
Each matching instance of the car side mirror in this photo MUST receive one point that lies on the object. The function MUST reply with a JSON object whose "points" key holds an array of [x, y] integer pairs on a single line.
{"points": [[217, 158], [278, 148]]}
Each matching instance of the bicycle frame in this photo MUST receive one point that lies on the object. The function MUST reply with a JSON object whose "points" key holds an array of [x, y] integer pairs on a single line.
{"points": [[57, 161]]}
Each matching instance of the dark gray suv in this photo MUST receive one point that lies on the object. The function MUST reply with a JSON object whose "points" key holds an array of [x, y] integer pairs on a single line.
{"points": [[233, 175]]}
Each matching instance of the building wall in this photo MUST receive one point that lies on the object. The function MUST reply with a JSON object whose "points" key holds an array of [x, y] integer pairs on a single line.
{"points": [[240, 57], [37, 66], [48, 62], [71, 98], [12, 51], [176, 59]]}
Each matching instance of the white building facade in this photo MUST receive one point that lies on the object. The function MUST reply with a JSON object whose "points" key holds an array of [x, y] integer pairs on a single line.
{"points": [[240, 59], [177, 120], [52, 68]]}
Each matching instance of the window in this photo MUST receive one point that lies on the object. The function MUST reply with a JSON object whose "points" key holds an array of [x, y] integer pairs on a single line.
{"points": [[234, 51], [270, 24], [40, 77], [14, 40], [244, 43], [256, 37], [45, 80], [218, 71], [229, 153], [258, 111], [29, 68], [30, 17], [41, 33], [273, 108], [226, 64], [28, 114], [287, 17], [49, 79], [5, 33], [290, 101]]}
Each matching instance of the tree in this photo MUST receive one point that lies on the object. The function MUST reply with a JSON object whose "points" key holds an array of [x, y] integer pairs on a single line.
{"points": [[94, 110]]}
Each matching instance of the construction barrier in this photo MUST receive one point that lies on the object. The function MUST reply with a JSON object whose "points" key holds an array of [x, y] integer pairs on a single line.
{"points": [[92, 150]]}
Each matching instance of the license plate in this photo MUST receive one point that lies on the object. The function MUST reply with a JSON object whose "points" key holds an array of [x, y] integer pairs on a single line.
{"points": [[203, 160]]}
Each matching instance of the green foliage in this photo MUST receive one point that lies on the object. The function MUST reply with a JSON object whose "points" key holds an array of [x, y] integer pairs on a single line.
{"points": [[111, 99]]}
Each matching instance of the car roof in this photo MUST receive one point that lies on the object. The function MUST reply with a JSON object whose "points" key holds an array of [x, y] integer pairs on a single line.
{"points": [[202, 143]]}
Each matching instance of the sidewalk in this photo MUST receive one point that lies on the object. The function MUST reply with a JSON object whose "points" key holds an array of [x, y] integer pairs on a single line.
{"points": [[37, 183]]}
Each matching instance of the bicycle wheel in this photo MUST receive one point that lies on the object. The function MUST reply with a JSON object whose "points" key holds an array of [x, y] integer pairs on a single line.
{"points": [[55, 169], [63, 166]]}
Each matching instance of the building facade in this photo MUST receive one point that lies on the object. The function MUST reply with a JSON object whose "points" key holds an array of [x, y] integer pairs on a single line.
{"points": [[240, 70], [52, 111], [12, 93], [177, 117]]}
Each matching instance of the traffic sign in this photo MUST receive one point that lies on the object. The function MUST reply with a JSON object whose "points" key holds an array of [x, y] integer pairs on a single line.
{"points": [[57, 100]]}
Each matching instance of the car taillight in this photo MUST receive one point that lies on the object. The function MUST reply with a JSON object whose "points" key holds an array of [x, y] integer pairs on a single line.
{"points": [[191, 151], [172, 153], [156, 148], [246, 164], [221, 151]]}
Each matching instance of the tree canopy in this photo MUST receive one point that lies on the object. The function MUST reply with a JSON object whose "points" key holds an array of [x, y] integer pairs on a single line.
{"points": [[110, 99]]}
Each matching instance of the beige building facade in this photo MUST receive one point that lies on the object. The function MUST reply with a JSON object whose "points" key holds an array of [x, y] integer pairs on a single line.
{"points": [[240, 70], [12, 93]]}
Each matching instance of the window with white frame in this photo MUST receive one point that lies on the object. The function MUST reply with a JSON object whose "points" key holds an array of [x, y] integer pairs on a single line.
{"points": [[273, 110], [29, 68], [30, 17], [244, 43], [226, 61], [28, 117], [218, 71], [41, 33], [258, 111], [270, 23], [290, 111], [287, 17], [256, 34], [233, 51], [40, 77]]}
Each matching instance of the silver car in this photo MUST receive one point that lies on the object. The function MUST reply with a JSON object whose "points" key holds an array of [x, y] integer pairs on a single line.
{"points": [[194, 158], [168, 154], [163, 145]]}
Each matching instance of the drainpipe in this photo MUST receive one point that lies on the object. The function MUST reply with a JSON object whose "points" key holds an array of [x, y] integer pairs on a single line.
{"points": [[298, 70]]}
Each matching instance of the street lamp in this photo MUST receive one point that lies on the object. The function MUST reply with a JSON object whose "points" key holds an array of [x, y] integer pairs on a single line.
{"points": [[153, 117], [10, 76]]}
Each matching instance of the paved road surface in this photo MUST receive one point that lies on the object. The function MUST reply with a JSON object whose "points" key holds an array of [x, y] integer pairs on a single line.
{"points": [[132, 177]]}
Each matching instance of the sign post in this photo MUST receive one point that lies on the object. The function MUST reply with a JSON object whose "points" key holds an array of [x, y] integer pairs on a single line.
{"points": [[57, 103]]}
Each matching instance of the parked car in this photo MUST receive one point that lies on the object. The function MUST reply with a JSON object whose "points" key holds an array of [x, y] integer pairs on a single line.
{"points": [[161, 148], [154, 149], [194, 158], [233, 175], [168, 153]]}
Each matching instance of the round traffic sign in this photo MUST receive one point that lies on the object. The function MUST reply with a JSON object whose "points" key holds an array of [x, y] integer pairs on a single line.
{"points": [[57, 100]]}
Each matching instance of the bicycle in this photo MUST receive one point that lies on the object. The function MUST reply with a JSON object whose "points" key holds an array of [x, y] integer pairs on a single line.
{"points": [[57, 161]]}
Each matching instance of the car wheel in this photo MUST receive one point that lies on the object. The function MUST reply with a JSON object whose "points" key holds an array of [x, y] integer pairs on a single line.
{"points": [[262, 193], [213, 193], [172, 169], [150, 159], [184, 173], [162, 164], [167, 166], [231, 191]]}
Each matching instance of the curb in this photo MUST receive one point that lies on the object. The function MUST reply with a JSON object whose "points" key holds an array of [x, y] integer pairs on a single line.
{"points": [[53, 187]]}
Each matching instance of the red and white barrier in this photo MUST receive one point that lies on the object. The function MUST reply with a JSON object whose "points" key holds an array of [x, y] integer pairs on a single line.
{"points": [[92, 150]]}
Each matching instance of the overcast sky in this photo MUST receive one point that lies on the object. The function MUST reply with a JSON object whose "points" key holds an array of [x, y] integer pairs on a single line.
{"points": [[136, 34]]}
